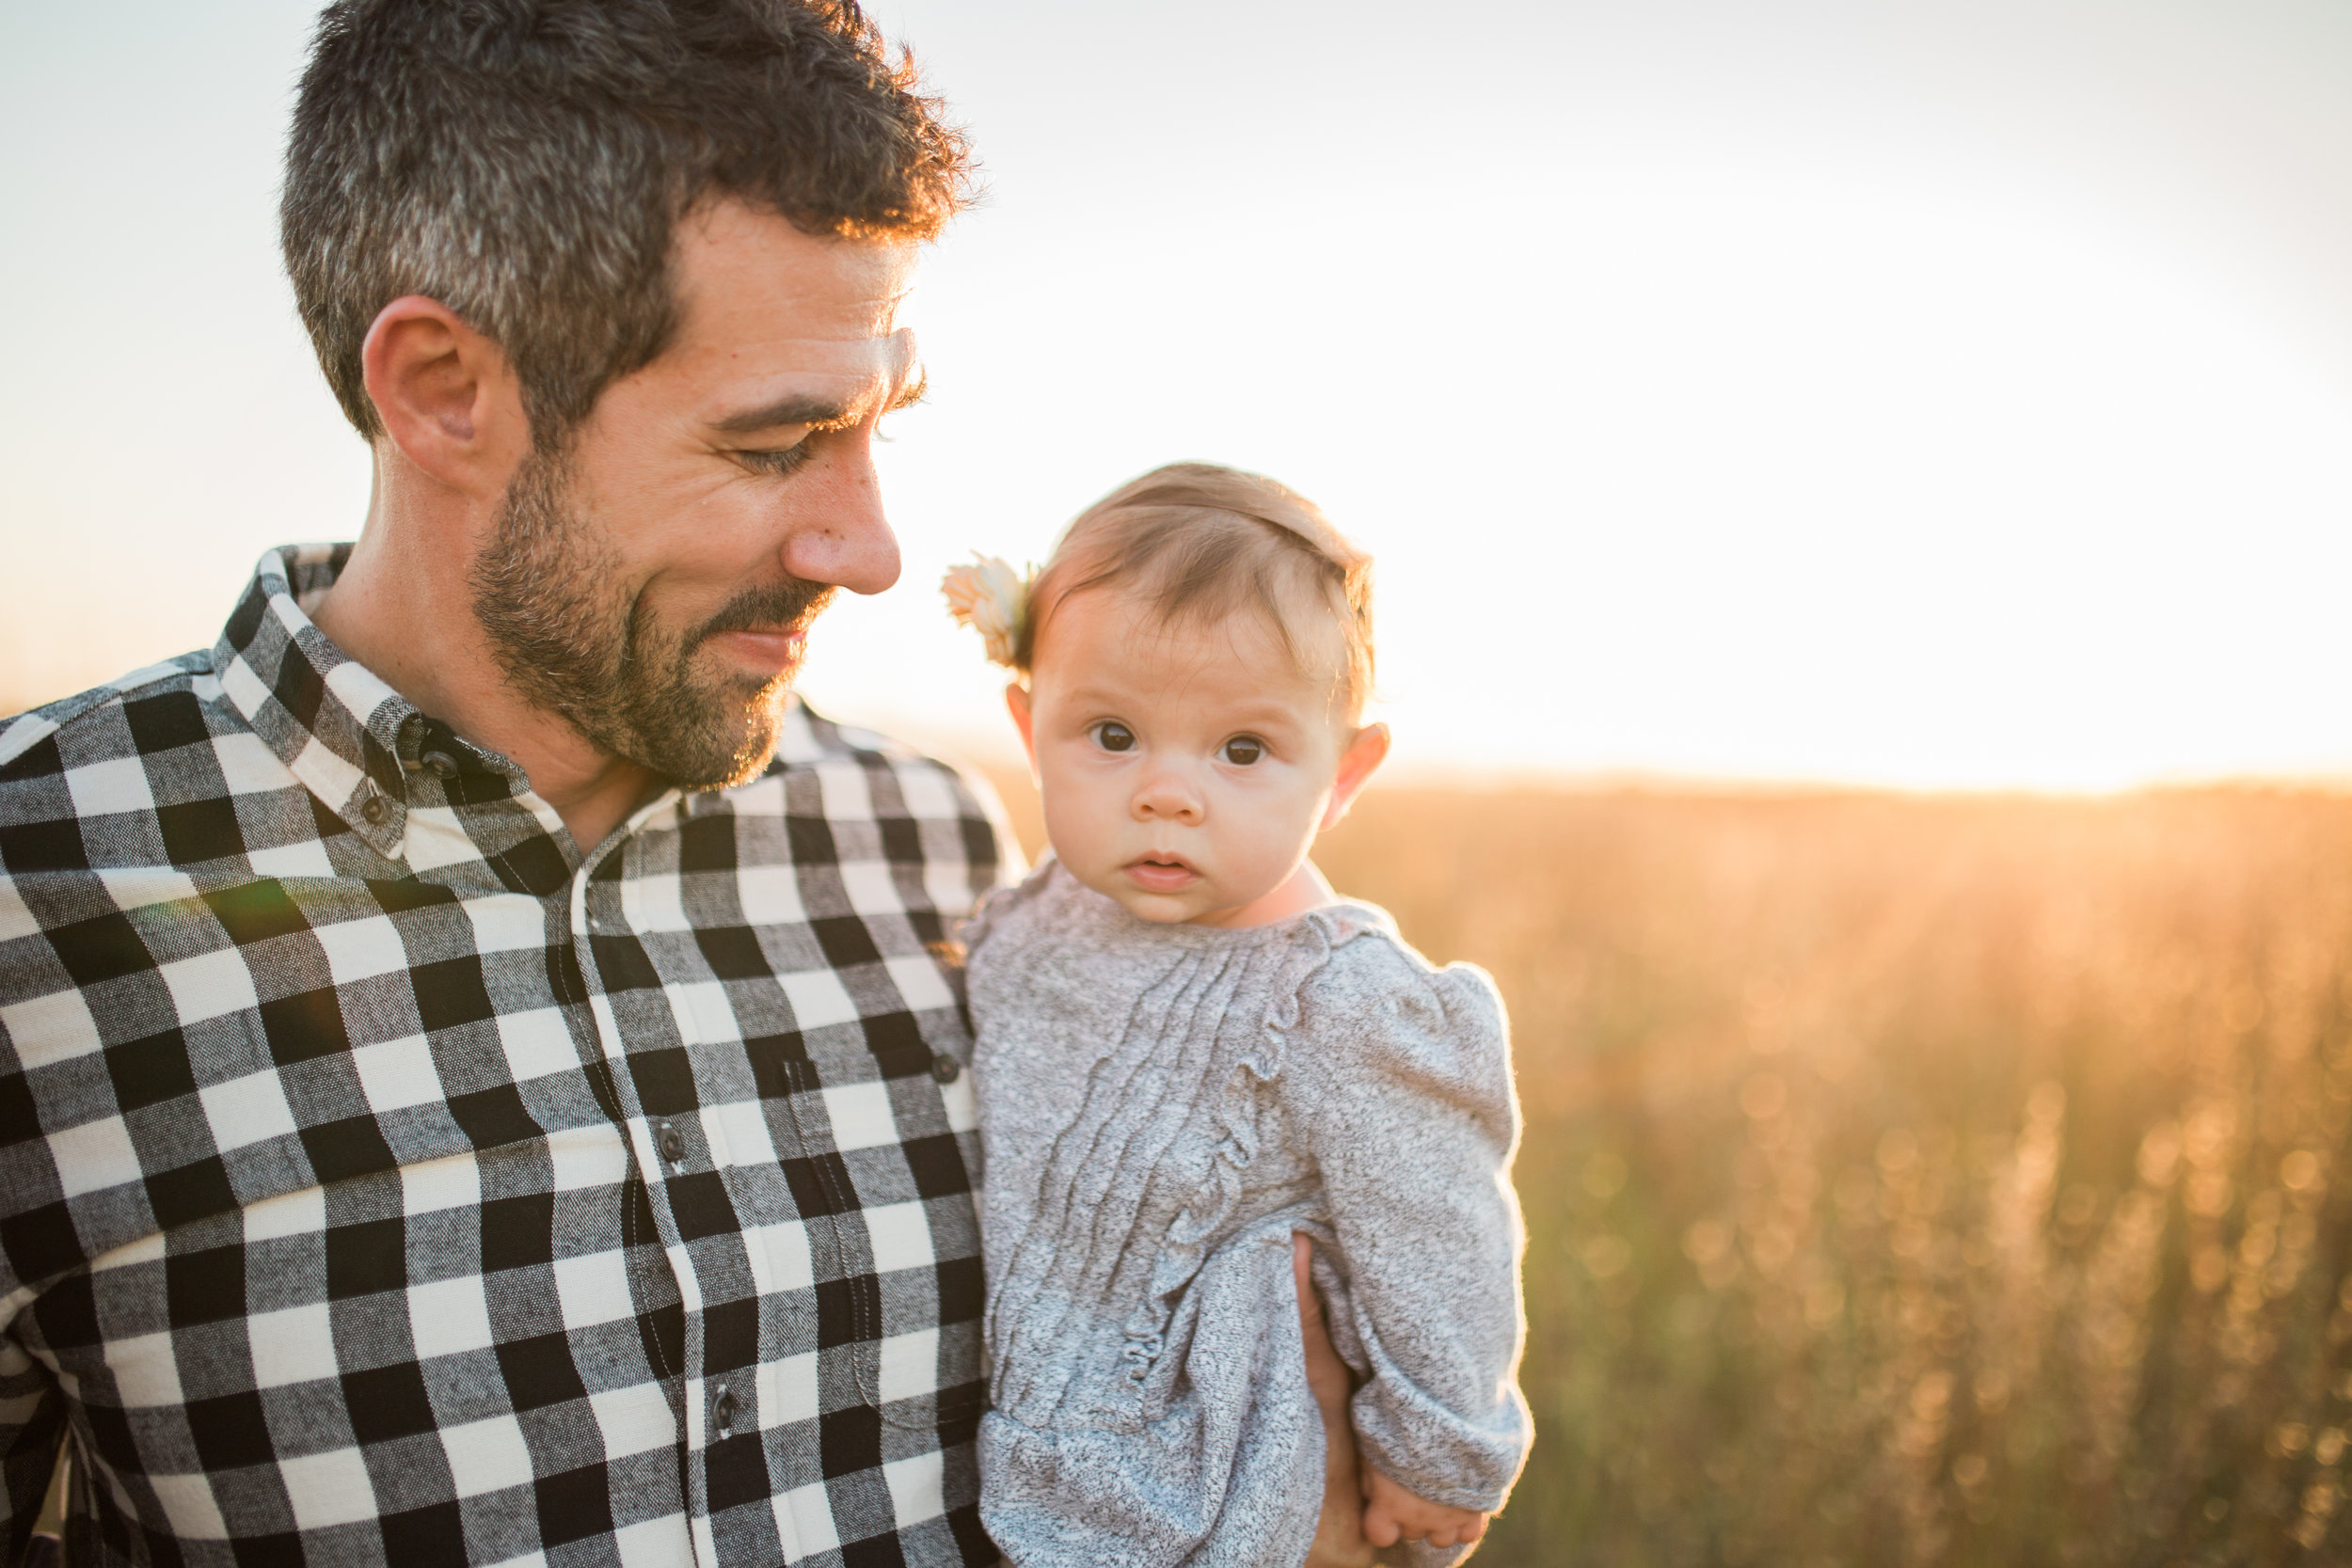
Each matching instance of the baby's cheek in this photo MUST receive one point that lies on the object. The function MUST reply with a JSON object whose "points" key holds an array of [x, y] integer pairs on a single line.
{"points": [[1285, 821], [1259, 854], [1091, 842], [1075, 834]]}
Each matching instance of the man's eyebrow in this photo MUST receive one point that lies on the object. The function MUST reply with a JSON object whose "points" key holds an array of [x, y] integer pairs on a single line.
{"points": [[785, 411], [816, 413]]}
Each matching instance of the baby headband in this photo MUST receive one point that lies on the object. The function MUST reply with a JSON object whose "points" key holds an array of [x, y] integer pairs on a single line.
{"points": [[992, 599]]}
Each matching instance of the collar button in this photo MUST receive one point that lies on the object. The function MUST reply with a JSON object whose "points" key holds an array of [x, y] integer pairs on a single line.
{"points": [[440, 765], [374, 810]]}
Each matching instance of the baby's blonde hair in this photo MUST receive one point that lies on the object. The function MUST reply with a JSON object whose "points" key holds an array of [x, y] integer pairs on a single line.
{"points": [[1197, 541]]}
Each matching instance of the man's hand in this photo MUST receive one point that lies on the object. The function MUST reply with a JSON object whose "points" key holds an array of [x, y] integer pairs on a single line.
{"points": [[1391, 1514], [1339, 1530]]}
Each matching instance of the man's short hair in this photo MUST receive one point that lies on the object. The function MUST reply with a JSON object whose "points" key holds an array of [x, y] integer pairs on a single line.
{"points": [[526, 163]]}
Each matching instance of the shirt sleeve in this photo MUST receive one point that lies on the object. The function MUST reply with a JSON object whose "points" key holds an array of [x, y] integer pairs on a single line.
{"points": [[1399, 1078], [32, 1406]]}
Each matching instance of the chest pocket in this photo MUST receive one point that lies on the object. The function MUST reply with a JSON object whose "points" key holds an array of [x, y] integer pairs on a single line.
{"points": [[883, 1178]]}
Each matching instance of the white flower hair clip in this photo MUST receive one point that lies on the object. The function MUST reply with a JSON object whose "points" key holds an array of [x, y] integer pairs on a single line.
{"points": [[992, 598]]}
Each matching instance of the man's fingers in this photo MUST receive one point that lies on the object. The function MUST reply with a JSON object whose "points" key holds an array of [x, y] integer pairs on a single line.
{"points": [[1326, 1374], [1340, 1527]]}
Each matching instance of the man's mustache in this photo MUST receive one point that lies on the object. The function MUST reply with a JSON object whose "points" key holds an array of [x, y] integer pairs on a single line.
{"points": [[786, 605]]}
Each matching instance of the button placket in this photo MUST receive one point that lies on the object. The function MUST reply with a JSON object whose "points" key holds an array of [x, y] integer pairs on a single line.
{"points": [[666, 1141]]}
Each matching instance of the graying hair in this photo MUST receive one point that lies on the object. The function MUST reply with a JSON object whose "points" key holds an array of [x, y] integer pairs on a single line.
{"points": [[526, 163]]}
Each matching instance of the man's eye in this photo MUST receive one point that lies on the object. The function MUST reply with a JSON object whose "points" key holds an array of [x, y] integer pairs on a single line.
{"points": [[1112, 735], [1243, 750], [784, 462]]}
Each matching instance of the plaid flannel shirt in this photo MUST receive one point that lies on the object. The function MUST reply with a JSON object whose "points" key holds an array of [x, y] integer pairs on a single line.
{"points": [[383, 1180]]}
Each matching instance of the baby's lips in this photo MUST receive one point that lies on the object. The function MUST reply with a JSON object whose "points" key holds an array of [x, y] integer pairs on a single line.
{"points": [[1162, 875]]}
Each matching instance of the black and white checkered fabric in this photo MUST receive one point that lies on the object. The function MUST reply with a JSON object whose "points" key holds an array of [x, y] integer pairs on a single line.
{"points": [[382, 1182]]}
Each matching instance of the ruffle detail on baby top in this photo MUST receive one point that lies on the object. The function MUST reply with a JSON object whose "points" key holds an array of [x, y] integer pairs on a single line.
{"points": [[1235, 1108], [1144, 1068]]}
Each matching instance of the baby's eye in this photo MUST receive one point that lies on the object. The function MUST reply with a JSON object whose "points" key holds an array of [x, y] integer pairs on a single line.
{"points": [[1242, 749], [1112, 735]]}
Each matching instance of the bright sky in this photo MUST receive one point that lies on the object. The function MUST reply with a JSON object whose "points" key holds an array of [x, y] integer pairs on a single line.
{"points": [[1952, 393]]}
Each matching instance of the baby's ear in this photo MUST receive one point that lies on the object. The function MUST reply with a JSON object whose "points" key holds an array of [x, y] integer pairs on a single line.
{"points": [[1017, 704], [1362, 758]]}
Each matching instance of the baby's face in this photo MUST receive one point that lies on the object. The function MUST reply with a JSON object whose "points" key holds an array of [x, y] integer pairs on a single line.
{"points": [[1186, 768]]}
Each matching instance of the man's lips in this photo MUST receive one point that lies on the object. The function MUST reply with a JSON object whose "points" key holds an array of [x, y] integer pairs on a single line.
{"points": [[770, 650], [1162, 873]]}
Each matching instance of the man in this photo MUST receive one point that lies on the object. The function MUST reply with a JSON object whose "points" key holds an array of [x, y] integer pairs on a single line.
{"points": [[481, 1071]]}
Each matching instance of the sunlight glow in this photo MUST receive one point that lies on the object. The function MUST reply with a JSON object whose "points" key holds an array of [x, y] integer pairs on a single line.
{"points": [[1949, 399], [1759, 475]]}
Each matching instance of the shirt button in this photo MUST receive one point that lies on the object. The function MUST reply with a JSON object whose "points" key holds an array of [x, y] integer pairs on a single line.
{"points": [[374, 810], [673, 1143], [440, 765], [722, 1410], [946, 1067]]}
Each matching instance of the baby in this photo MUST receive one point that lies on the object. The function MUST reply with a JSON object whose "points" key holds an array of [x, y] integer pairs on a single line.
{"points": [[1189, 1048]]}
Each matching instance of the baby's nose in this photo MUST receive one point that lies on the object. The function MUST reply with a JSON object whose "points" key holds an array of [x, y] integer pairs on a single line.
{"points": [[1169, 797]]}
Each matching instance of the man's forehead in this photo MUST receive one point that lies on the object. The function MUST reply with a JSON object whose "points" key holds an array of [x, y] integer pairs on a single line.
{"points": [[747, 275], [780, 327]]}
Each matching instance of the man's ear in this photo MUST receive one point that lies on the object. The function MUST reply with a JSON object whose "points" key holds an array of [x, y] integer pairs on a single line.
{"points": [[1017, 703], [448, 398], [1362, 758]]}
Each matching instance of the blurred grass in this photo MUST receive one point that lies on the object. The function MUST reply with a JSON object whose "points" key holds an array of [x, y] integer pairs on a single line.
{"points": [[1914, 1181]]}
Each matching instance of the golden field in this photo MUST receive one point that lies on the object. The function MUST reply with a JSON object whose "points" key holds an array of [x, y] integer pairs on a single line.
{"points": [[1914, 1181]]}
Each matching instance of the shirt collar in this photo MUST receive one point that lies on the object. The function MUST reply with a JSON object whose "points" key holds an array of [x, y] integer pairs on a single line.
{"points": [[331, 720], [349, 737]]}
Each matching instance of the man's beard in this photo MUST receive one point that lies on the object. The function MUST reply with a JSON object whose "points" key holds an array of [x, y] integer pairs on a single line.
{"points": [[573, 642]]}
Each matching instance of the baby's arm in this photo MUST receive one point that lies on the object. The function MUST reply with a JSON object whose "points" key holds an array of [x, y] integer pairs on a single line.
{"points": [[1371, 1510], [1398, 1079]]}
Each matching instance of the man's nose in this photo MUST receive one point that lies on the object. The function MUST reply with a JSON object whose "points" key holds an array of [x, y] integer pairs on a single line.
{"points": [[1167, 796], [836, 531]]}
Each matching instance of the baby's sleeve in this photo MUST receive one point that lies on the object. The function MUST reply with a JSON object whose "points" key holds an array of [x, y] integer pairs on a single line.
{"points": [[1398, 1079]]}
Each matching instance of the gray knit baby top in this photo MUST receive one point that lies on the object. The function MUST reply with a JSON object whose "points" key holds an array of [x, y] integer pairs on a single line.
{"points": [[1161, 1105]]}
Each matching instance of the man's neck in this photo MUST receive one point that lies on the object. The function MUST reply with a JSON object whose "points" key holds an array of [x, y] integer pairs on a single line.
{"points": [[405, 611]]}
